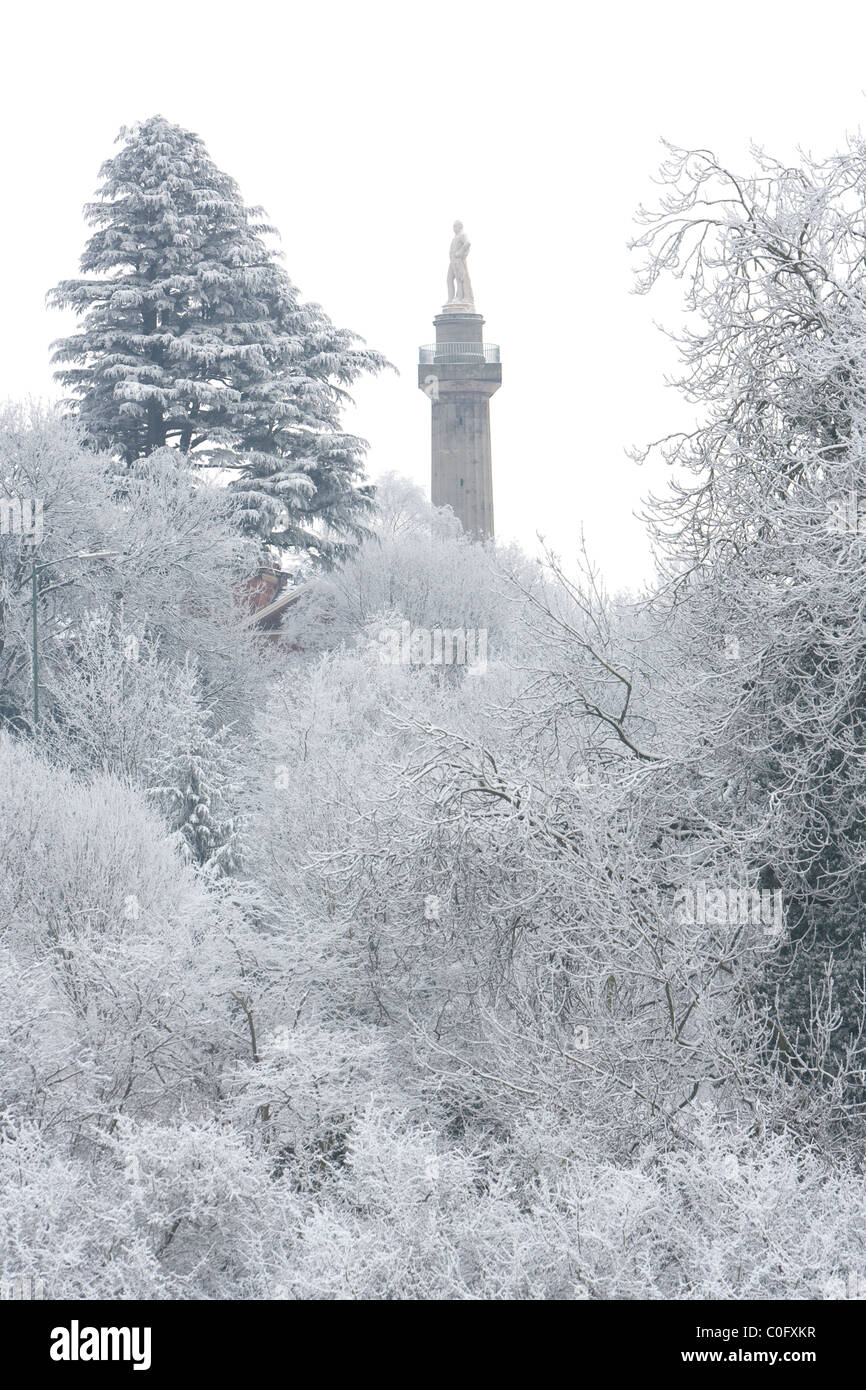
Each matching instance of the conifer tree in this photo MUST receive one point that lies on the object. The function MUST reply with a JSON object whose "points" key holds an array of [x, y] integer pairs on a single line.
{"points": [[193, 791], [194, 336]]}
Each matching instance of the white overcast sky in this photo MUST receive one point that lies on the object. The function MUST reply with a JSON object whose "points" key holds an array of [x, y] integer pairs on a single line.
{"points": [[365, 129]]}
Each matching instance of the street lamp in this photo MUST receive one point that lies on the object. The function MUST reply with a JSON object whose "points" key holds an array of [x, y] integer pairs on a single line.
{"points": [[35, 570]]}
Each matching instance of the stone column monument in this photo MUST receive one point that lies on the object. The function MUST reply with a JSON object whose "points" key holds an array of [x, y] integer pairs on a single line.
{"points": [[460, 372]]}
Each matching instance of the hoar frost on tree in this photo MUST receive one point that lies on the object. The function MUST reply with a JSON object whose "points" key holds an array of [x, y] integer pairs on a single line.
{"points": [[765, 573], [193, 335]]}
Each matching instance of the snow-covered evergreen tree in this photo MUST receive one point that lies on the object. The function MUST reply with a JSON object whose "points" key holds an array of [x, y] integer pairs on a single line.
{"points": [[193, 788], [193, 335]]}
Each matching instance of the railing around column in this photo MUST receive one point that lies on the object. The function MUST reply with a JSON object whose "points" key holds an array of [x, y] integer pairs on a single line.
{"points": [[458, 352]]}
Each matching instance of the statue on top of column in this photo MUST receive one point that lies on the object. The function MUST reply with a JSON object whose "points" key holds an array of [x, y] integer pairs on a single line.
{"points": [[459, 284]]}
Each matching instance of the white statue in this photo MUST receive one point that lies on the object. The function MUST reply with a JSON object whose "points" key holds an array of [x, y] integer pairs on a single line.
{"points": [[459, 284]]}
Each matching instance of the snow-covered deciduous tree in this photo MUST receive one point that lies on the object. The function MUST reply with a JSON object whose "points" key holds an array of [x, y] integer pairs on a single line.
{"points": [[118, 706], [101, 924], [174, 571], [765, 548], [775, 289]]}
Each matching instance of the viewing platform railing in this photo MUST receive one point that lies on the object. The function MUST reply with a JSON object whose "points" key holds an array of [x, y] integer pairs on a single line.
{"points": [[458, 352]]}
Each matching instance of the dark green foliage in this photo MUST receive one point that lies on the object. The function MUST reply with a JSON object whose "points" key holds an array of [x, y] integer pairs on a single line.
{"points": [[194, 336]]}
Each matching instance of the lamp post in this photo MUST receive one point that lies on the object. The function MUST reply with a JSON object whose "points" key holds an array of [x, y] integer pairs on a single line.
{"points": [[35, 571]]}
